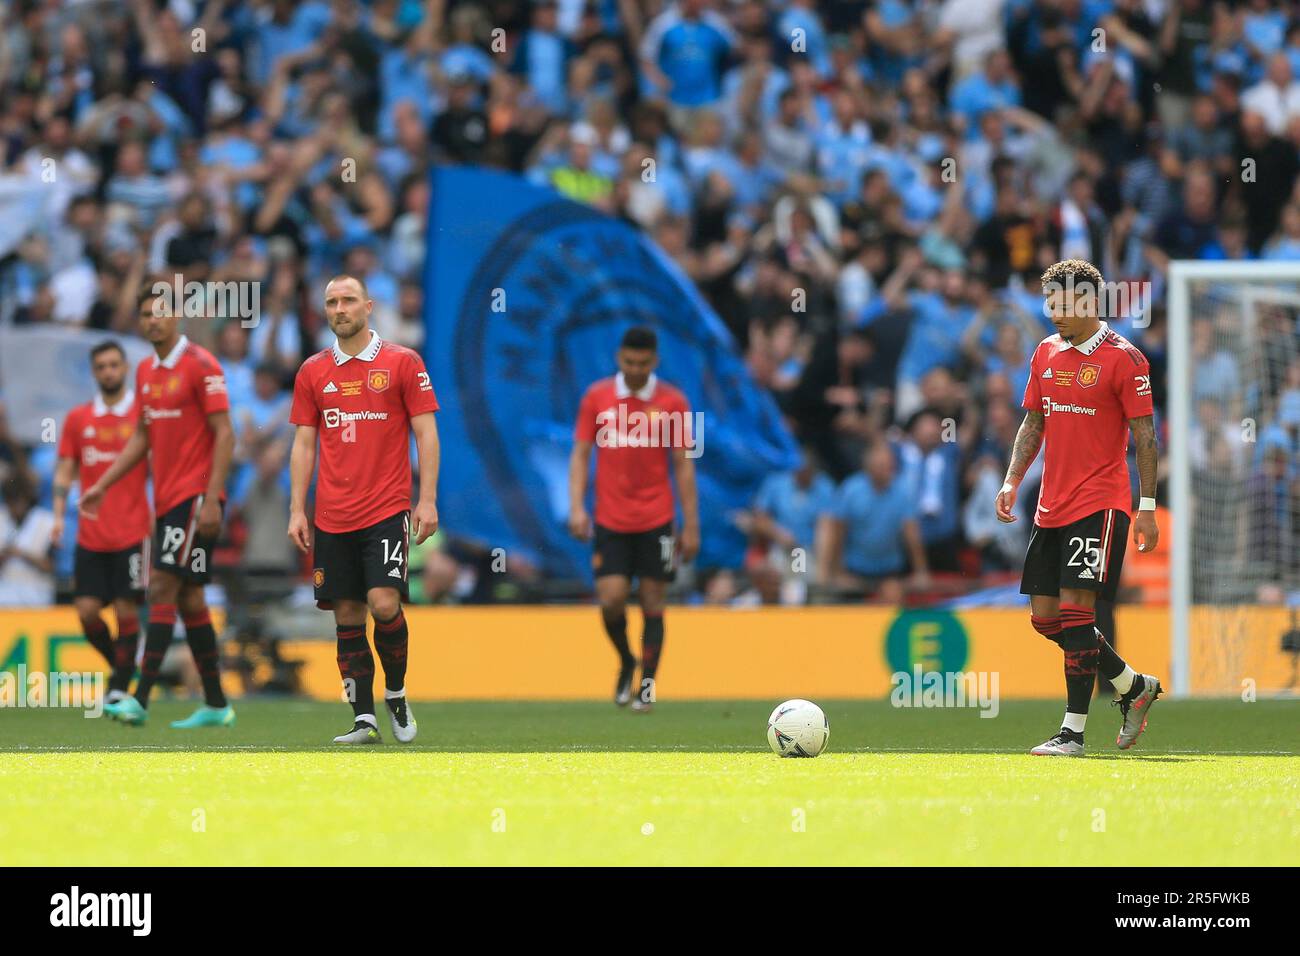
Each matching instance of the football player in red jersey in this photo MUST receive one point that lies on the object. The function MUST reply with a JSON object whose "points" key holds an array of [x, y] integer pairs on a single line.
{"points": [[109, 564], [185, 428], [1088, 388], [633, 527], [361, 399]]}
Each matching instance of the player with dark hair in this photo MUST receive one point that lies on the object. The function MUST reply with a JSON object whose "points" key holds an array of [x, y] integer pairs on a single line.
{"points": [[1088, 388], [109, 567], [639, 425], [361, 399], [184, 427]]}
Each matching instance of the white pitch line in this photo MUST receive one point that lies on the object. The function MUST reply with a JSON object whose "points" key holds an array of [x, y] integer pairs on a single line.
{"points": [[247, 748]]}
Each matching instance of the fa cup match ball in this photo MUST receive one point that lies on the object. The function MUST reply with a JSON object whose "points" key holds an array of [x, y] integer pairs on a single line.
{"points": [[798, 728]]}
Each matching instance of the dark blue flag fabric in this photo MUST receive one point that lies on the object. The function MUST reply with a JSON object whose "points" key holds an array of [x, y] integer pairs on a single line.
{"points": [[527, 295]]}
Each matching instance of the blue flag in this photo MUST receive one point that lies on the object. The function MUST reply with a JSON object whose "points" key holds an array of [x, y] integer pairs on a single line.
{"points": [[527, 295]]}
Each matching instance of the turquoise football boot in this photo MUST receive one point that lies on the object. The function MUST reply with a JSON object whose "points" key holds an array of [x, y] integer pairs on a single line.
{"points": [[127, 710], [207, 716]]}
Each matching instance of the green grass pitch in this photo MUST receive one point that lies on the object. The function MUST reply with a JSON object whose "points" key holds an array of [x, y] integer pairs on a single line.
{"points": [[1212, 783]]}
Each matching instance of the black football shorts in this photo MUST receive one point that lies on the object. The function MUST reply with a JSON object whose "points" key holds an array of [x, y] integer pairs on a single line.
{"points": [[109, 575], [636, 554], [347, 564], [1087, 554], [178, 548]]}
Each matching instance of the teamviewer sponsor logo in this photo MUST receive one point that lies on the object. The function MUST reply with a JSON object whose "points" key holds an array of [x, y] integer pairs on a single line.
{"points": [[151, 413], [619, 428], [1067, 408], [77, 909], [335, 417], [92, 456]]}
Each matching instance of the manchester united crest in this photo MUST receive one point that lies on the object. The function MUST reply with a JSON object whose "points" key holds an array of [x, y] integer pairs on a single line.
{"points": [[318, 577], [1088, 375], [378, 379]]}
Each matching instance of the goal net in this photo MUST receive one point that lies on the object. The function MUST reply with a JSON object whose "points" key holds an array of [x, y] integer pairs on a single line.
{"points": [[1234, 469]]}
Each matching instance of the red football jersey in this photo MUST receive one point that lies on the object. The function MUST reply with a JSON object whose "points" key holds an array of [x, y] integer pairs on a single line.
{"points": [[176, 395], [362, 406], [1087, 394], [633, 434], [94, 434]]}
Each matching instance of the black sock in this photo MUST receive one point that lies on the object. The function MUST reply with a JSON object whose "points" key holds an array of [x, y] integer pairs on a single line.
{"points": [[616, 627], [391, 641], [1079, 639], [97, 636], [1105, 613], [1109, 664], [652, 645], [162, 622], [124, 649], [357, 666], [203, 645]]}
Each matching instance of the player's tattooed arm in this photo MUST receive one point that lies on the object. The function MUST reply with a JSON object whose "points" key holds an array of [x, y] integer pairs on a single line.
{"points": [[1028, 440], [1145, 532], [1148, 453]]}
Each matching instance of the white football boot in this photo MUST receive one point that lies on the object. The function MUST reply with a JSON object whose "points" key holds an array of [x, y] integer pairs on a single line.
{"points": [[1135, 710], [362, 732], [1066, 743], [403, 721]]}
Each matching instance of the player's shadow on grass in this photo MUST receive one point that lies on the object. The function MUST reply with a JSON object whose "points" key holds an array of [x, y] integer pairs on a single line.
{"points": [[1154, 758]]}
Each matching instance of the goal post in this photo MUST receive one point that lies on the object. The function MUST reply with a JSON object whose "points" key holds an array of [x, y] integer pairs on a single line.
{"points": [[1234, 476]]}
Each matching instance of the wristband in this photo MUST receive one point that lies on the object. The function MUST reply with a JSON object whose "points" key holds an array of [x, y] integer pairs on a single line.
{"points": [[1147, 504]]}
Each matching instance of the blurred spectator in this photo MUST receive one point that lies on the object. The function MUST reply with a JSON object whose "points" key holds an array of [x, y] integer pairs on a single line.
{"points": [[1277, 97], [684, 51], [1271, 492], [1214, 372], [871, 534], [788, 506], [930, 465], [26, 566]]}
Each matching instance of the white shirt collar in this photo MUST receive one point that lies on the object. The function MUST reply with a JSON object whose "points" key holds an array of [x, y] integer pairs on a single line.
{"points": [[119, 408], [174, 355], [367, 354], [647, 390], [1092, 344]]}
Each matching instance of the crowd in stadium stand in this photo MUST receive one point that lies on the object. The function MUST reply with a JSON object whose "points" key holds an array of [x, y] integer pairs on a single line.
{"points": [[865, 192]]}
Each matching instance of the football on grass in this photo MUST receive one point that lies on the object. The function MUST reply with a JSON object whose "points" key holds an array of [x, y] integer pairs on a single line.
{"points": [[798, 728]]}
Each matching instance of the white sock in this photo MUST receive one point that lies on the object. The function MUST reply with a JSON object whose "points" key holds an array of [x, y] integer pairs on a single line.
{"points": [[1074, 722], [1124, 682], [369, 719], [392, 694]]}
